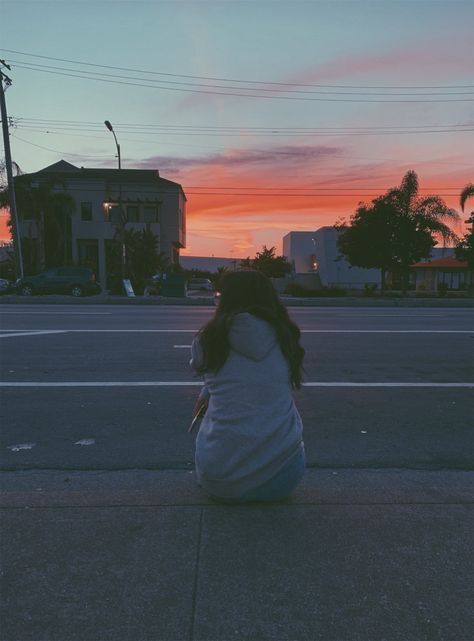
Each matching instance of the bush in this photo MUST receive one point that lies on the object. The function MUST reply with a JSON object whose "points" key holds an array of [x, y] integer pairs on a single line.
{"points": [[370, 289], [297, 290]]}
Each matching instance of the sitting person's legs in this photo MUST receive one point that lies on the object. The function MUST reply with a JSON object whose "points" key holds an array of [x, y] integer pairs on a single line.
{"points": [[282, 484]]}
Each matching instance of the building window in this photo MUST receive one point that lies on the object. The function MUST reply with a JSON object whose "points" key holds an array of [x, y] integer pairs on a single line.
{"points": [[150, 214], [453, 280], [133, 214], [86, 212]]}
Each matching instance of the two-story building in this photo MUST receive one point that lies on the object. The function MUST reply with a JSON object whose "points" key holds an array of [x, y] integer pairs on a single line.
{"points": [[103, 200]]}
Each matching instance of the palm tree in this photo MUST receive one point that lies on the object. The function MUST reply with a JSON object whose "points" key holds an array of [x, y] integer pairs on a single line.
{"points": [[419, 220], [465, 247], [50, 210], [467, 192]]}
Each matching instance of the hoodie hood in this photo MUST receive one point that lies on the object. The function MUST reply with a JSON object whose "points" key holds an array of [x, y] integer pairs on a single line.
{"points": [[251, 336]]}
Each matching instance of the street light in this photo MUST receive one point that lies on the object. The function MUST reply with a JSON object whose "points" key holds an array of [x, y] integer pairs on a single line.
{"points": [[108, 124], [121, 227]]}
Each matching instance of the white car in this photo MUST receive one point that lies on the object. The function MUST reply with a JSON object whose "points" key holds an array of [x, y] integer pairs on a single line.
{"points": [[200, 284]]}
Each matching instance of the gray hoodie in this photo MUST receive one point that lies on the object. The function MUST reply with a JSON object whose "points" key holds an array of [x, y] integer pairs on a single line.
{"points": [[252, 428]]}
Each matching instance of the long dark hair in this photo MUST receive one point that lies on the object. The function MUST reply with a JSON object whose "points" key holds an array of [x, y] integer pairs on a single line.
{"points": [[252, 292]]}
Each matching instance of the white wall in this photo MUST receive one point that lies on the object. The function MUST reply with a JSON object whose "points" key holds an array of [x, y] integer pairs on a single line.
{"points": [[299, 247]]}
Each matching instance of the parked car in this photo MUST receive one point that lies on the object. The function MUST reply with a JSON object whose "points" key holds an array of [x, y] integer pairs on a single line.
{"points": [[76, 281], [201, 284], [6, 287]]}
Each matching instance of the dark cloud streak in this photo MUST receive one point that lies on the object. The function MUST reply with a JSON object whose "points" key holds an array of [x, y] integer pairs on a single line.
{"points": [[275, 157]]}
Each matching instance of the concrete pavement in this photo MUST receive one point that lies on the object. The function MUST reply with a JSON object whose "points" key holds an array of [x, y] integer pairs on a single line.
{"points": [[375, 545], [355, 555]]}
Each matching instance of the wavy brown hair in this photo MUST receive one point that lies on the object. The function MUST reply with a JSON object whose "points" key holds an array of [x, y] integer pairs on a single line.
{"points": [[252, 292]]}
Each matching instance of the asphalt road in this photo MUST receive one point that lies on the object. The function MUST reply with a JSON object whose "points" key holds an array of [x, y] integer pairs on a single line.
{"points": [[109, 387]]}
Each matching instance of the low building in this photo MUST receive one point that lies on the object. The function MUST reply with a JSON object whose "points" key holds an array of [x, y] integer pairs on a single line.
{"points": [[447, 272], [210, 264], [103, 200], [317, 252]]}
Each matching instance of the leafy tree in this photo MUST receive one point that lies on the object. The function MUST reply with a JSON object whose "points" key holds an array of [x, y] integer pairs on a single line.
{"points": [[267, 263], [142, 257], [397, 230], [467, 192], [50, 208], [464, 249], [367, 241]]}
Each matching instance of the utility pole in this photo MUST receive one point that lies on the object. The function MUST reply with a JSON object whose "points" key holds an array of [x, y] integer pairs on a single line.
{"points": [[8, 163]]}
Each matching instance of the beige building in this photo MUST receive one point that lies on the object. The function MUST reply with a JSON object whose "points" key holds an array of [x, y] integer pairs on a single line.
{"points": [[444, 272], [101, 198]]}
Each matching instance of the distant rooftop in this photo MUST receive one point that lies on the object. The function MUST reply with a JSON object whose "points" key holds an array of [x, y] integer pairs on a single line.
{"points": [[446, 262], [124, 175]]}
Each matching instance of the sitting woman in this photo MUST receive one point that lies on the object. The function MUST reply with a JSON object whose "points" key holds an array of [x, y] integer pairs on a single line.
{"points": [[249, 446]]}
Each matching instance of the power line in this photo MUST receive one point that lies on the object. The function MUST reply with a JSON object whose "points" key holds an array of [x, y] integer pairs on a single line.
{"points": [[262, 82], [376, 192], [39, 67], [275, 134], [247, 151], [239, 128], [56, 151], [246, 95]]}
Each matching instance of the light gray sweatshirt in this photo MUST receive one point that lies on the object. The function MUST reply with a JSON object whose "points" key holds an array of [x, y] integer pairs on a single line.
{"points": [[252, 428]]}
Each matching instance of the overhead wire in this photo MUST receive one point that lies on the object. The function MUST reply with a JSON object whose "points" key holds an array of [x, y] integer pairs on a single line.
{"points": [[416, 98], [40, 67], [238, 127], [225, 79]]}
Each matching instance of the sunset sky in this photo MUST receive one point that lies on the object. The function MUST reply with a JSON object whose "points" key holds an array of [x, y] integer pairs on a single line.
{"points": [[274, 116]]}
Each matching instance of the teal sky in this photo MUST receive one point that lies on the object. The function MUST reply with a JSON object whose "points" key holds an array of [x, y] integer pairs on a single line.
{"points": [[369, 50]]}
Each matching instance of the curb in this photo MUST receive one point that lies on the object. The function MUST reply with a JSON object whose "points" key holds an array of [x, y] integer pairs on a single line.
{"points": [[207, 301]]}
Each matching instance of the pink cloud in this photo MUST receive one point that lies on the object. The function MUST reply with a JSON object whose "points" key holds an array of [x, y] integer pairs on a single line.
{"points": [[423, 62]]}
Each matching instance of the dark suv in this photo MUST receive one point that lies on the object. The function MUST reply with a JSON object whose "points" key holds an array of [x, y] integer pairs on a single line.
{"points": [[77, 281]]}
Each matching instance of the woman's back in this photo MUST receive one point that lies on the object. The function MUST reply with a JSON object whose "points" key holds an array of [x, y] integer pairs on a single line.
{"points": [[252, 427]]}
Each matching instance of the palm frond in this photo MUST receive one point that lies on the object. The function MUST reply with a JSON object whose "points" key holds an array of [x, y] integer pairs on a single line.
{"points": [[467, 192]]}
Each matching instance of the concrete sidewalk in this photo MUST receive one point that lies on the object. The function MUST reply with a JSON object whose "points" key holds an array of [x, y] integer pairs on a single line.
{"points": [[355, 555]]}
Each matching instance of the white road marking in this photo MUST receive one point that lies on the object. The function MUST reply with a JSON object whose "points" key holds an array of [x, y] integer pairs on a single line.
{"points": [[32, 333], [85, 441], [21, 446], [200, 383], [303, 331], [29, 313], [387, 331], [398, 384], [102, 384], [181, 346]]}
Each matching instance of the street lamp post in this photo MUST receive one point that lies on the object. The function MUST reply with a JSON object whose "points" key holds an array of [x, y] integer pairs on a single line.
{"points": [[108, 124]]}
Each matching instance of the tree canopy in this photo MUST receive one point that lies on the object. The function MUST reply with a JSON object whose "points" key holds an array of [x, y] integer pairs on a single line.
{"points": [[396, 230], [46, 204], [268, 263], [464, 249]]}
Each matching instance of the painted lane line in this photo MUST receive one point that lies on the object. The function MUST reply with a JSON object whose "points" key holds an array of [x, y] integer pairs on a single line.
{"points": [[181, 346], [102, 384], [85, 441], [398, 384], [200, 383], [33, 333], [29, 313], [303, 331], [387, 331], [21, 446]]}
